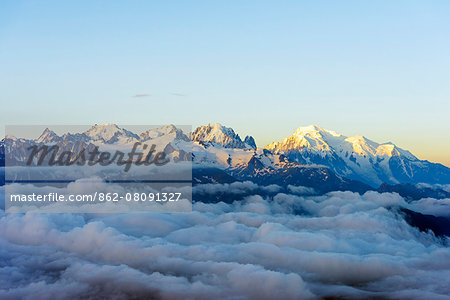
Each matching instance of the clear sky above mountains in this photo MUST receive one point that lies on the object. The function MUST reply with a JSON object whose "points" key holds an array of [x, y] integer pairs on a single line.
{"points": [[379, 69]]}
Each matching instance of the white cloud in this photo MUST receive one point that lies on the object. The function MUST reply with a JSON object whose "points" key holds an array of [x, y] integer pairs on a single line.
{"points": [[286, 247]]}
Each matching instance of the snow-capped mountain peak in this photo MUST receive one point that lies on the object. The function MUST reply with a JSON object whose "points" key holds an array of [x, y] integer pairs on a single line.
{"points": [[316, 139], [314, 130], [110, 133], [311, 138], [157, 132], [48, 136], [10, 137], [355, 156], [221, 135]]}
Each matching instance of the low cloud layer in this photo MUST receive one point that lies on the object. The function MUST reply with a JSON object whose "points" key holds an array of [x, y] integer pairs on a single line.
{"points": [[287, 246]]}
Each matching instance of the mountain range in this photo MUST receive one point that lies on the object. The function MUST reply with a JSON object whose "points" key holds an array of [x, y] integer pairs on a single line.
{"points": [[312, 157], [359, 158]]}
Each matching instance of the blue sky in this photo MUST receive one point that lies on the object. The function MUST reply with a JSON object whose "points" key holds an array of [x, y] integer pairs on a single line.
{"points": [[380, 68]]}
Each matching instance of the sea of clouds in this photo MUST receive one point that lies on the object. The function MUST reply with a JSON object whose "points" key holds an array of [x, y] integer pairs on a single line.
{"points": [[285, 246]]}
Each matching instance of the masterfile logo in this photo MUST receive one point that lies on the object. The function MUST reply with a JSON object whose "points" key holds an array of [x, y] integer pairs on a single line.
{"points": [[102, 169]]}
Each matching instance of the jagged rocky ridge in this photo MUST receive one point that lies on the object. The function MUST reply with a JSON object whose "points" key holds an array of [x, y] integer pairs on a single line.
{"points": [[223, 136]]}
